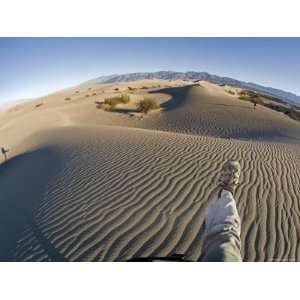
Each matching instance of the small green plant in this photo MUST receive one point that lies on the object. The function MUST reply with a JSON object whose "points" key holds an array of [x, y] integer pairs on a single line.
{"points": [[146, 105]]}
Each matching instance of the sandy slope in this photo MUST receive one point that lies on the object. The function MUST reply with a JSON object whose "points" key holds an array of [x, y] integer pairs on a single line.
{"points": [[85, 184]]}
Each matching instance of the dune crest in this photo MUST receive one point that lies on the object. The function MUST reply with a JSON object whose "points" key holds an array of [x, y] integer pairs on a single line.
{"points": [[84, 184]]}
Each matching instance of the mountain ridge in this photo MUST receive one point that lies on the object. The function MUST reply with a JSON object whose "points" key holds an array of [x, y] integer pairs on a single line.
{"points": [[193, 75]]}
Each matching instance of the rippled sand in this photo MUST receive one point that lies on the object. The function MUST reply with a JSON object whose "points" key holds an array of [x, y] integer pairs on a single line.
{"points": [[83, 184]]}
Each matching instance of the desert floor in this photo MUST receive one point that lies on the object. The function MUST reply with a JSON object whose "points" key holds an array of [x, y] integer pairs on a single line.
{"points": [[85, 184]]}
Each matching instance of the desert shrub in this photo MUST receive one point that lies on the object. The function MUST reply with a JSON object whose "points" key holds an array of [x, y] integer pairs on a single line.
{"points": [[67, 98], [276, 107], [230, 92], [115, 100], [87, 95], [116, 89], [94, 94], [130, 88], [39, 104], [144, 87], [252, 100], [77, 92], [90, 89], [251, 97], [292, 113], [112, 102], [244, 98], [257, 101], [146, 105], [248, 94], [124, 98]]}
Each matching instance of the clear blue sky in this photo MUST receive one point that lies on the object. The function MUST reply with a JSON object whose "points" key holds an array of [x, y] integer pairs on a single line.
{"points": [[31, 67]]}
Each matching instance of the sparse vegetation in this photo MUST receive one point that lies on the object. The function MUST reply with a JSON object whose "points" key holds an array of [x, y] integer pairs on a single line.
{"points": [[230, 92], [38, 105], [124, 98], [251, 97], [144, 87], [77, 92], [116, 89], [115, 100], [130, 88], [94, 94], [249, 94], [67, 98], [292, 113], [258, 101], [112, 102], [146, 105], [87, 95]]}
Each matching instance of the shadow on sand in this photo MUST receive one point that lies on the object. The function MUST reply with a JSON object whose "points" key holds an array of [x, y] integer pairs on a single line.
{"points": [[124, 110], [23, 180], [178, 96]]}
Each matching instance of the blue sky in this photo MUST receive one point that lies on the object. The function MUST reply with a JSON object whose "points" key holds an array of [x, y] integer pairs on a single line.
{"points": [[32, 67]]}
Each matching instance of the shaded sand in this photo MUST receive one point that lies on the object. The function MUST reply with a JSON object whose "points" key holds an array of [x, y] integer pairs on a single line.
{"points": [[88, 185]]}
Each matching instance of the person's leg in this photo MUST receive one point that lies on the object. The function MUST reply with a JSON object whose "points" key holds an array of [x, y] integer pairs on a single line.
{"points": [[222, 221]]}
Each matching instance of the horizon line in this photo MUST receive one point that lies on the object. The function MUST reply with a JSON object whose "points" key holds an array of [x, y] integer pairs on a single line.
{"points": [[12, 101]]}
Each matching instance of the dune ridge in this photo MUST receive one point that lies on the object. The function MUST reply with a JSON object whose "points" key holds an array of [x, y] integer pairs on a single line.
{"points": [[113, 188]]}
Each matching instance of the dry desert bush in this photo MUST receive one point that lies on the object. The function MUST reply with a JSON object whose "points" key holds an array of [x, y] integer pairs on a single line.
{"points": [[230, 92], [251, 97], [146, 105], [115, 100]]}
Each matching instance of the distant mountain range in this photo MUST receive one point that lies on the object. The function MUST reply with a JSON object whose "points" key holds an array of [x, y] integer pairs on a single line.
{"points": [[171, 75]]}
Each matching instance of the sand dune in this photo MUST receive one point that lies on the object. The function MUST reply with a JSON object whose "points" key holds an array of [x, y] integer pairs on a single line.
{"points": [[83, 184]]}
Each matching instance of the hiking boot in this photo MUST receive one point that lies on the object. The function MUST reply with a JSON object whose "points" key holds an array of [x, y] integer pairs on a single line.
{"points": [[230, 175]]}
